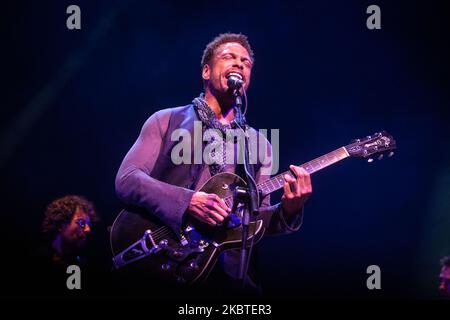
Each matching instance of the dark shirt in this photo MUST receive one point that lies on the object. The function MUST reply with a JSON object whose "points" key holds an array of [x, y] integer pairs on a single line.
{"points": [[46, 277], [49, 278]]}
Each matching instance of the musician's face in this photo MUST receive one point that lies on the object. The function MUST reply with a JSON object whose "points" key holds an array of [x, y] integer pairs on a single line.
{"points": [[76, 231], [229, 58]]}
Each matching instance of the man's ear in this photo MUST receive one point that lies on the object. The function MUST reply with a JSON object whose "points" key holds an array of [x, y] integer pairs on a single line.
{"points": [[206, 72]]}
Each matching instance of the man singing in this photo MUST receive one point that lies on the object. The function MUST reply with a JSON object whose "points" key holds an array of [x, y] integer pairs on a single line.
{"points": [[149, 178]]}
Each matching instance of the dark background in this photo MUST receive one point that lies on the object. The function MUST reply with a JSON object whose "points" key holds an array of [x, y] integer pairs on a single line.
{"points": [[73, 102]]}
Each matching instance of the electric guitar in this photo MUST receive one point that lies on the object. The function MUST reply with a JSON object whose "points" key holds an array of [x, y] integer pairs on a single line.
{"points": [[139, 239]]}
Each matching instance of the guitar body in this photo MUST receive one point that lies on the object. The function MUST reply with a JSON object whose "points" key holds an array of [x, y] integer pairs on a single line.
{"points": [[141, 242]]}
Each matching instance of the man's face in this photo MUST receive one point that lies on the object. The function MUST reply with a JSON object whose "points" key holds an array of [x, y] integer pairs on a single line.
{"points": [[229, 59], [76, 231], [444, 281]]}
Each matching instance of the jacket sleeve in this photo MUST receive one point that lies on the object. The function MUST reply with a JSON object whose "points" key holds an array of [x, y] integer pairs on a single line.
{"points": [[272, 215], [135, 185]]}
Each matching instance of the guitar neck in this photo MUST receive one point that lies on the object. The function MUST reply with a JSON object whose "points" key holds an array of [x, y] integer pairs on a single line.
{"points": [[312, 166]]}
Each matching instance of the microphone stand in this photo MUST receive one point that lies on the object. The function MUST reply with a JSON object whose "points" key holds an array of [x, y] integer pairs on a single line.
{"points": [[251, 198]]}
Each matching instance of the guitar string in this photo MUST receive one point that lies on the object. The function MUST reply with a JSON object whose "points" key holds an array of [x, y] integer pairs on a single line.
{"points": [[160, 229], [158, 233], [161, 236]]}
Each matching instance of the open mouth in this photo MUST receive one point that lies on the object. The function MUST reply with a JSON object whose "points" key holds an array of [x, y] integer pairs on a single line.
{"points": [[235, 74]]}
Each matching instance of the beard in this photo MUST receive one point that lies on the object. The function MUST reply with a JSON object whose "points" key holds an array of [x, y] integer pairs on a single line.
{"points": [[76, 243]]}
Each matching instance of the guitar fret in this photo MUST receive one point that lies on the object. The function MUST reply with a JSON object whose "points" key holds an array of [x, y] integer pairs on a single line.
{"points": [[308, 167], [280, 181], [333, 158], [316, 166], [329, 158], [271, 183], [263, 188]]}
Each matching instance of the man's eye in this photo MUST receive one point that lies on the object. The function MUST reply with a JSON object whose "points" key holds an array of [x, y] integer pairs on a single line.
{"points": [[228, 56], [82, 223]]}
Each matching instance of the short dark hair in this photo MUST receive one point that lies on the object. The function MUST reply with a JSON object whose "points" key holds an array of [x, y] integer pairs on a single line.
{"points": [[211, 47], [445, 261], [60, 211]]}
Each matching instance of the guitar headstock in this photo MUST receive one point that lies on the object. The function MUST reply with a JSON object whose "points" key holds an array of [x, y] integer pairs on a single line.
{"points": [[378, 144]]}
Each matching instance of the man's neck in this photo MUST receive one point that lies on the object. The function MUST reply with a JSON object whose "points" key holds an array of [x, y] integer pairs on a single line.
{"points": [[223, 107]]}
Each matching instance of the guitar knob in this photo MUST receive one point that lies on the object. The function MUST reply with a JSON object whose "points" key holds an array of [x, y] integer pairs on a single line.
{"points": [[163, 243], [380, 157], [391, 154], [369, 160], [193, 265]]}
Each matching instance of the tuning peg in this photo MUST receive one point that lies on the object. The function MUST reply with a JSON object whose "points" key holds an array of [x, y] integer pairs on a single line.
{"points": [[380, 157], [370, 160], [391, 154]]}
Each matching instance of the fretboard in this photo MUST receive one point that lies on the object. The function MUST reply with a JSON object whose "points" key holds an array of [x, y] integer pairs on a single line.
{"points": [[277, 182]]}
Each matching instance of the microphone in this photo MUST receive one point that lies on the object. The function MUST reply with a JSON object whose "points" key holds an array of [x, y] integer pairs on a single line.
{"points": [[234, 83]]}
